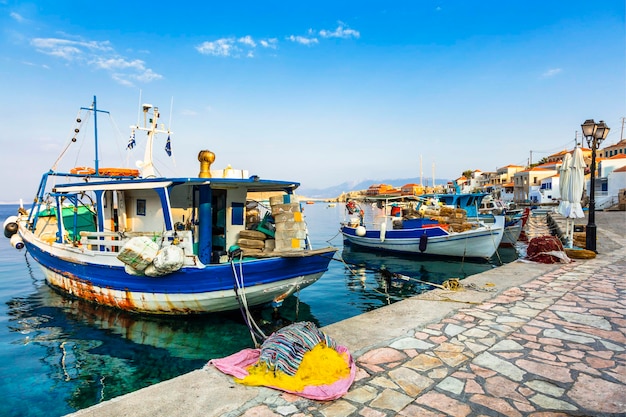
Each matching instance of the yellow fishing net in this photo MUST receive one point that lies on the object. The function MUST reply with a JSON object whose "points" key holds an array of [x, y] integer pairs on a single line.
{"points": [[320, 366]]}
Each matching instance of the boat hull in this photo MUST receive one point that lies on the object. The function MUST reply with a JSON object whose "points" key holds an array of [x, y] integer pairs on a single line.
{"points": [[511, 234], [479, 243], [191, 290]]}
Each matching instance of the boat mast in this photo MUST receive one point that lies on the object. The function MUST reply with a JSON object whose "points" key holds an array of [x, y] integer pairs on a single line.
{"points": [[150, 126], [95, 111]]}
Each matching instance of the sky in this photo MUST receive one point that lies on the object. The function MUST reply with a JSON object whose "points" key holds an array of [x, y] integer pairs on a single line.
{"points": [[321, 92]]}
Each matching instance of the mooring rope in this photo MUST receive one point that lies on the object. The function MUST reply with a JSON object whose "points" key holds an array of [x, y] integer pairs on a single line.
{"points": [[240, 293]]}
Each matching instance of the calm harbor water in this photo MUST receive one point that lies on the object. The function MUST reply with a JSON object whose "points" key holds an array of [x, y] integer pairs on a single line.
{"points": [[59, 355]]}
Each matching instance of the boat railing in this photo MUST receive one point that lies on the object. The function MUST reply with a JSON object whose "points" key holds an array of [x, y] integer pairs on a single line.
{"points": [[115, 241]]}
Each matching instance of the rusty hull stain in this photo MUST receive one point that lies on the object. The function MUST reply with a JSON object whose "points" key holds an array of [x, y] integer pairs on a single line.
{"points": [[124, 300]]}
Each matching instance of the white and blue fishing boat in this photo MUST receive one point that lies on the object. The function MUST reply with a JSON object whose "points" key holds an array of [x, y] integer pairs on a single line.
{"points": [[483, 207], [424, 226], [136, 241]]}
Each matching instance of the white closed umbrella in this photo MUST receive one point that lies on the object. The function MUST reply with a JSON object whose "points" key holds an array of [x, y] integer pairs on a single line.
{"points": [[564, 204], [576, 181], [572, 178]]}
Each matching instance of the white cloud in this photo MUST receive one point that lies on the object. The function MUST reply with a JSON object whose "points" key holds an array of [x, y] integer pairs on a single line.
{"points": [[220, 47], [302, 40], [121, 79], [269, 43], [99, 54], [552, 72], [55, 46], [244, 46], [17, 17], [119, 63], [247, 40], [146, 76], [340, 32]]}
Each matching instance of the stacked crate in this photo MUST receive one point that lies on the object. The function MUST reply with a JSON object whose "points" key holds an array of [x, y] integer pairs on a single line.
{"points": [[251, 242], [290, 226]]}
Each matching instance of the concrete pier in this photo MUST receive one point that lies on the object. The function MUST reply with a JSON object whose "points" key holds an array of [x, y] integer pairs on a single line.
{"points": [[524, 339]]}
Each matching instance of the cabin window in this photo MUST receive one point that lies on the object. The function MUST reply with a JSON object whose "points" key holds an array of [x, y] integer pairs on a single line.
{"points": [[141, 207]]}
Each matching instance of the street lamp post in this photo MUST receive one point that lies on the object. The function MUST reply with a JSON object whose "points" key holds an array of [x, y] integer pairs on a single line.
{"points": [[595, 133]]}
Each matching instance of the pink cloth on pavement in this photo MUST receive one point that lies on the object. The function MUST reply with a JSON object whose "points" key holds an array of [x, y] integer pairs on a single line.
{"points": [[237, 363]]}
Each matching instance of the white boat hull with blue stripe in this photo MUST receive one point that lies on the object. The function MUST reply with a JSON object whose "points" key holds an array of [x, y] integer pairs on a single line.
{"points": [[411, 226], [479, 243]]}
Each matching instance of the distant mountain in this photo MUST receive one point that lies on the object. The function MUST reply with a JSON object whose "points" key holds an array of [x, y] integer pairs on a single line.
{"points": [[335, 191]]}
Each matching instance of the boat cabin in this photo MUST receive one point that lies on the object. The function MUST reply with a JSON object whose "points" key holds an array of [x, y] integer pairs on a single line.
{"points": [[203, 216]]}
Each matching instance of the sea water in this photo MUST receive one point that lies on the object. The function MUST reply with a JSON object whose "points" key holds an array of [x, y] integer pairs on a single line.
{"points": [[59, 355]]}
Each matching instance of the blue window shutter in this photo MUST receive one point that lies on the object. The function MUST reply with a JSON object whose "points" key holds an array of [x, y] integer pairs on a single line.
{"points": [[237, 214]]}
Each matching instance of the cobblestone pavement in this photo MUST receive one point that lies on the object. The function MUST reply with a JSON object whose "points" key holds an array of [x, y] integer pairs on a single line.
{"points": [[555, 346]]}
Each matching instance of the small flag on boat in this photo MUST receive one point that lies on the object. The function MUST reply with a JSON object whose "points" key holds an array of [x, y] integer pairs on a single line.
{"points": [[168, 146], [131, 141]]}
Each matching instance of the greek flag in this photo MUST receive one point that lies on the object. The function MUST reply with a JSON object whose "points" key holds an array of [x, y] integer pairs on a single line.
{"points": [[131, 141], [168, 146]]}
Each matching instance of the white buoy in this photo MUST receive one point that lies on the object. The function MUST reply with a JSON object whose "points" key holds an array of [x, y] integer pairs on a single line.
{"points": [[17, 242], [383, 231], [10, 226], [360, 231]]}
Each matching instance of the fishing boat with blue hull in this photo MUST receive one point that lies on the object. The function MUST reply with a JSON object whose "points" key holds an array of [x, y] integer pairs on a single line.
{"points": [[423, 226], [484, 207], [133, 240]]}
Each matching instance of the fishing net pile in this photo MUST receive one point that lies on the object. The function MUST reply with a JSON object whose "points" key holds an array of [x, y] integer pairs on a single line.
{"points": [[546, 250], [299, 359]]}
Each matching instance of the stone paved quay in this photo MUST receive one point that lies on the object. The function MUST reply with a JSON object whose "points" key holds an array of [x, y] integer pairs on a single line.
{"points": [[548, 340]]}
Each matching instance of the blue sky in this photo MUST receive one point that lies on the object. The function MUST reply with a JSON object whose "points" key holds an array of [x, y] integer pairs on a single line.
{"points": [[318, 92]]}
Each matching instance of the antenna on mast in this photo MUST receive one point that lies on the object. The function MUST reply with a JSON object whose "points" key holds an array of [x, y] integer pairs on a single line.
{"points": [[139, 108], [433, 174], [95, 111], [169, 125]]}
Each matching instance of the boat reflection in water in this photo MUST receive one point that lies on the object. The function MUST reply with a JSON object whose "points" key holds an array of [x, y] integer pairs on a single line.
{"points": [[402, 276]]}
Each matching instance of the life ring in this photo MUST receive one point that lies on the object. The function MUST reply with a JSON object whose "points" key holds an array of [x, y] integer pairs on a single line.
{"points": [[118, 172], [82, 171]]}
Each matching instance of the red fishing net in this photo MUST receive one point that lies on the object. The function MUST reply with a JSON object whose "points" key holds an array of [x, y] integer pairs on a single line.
{"points": [[546, 250]]}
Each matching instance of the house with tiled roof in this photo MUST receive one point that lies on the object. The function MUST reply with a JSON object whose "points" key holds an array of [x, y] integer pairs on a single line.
{"points": [[548, 192], [412, 189], [472, 184], [503, 182], [381, 189], [612, 150], [530, 180], [608, 164], [557, 158], [609, 179], [616, 187]]}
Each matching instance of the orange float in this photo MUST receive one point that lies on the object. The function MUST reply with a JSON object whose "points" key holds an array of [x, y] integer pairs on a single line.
{"points": [[82, 171], [118, 172], [107, 172]]}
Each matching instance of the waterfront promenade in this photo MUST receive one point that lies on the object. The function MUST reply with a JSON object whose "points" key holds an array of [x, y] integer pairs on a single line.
{"points": [[524, 339]]}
